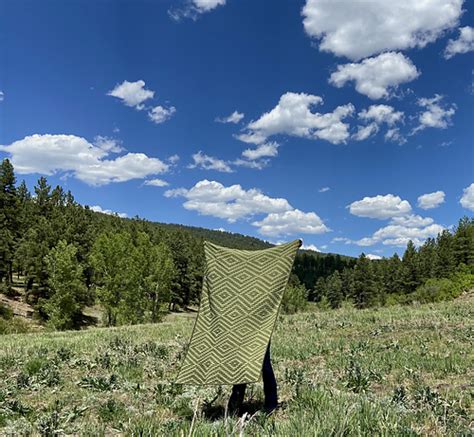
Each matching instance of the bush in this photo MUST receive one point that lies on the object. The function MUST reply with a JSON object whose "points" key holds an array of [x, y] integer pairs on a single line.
{"points": [[295, 299], [13, 326], [5, 312], [437, 290]]}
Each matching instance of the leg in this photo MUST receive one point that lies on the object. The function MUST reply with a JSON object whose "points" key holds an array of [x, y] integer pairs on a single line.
{"points": [[236, 398], [269, 383]]}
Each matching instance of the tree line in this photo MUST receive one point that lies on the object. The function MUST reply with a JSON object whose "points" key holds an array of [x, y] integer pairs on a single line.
{"points": [[68, 257]]}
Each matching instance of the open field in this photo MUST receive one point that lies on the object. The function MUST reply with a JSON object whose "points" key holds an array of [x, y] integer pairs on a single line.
{"points": [[390, 371]]}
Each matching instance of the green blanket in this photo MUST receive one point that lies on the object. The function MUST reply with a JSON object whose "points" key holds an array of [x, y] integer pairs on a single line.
{"points": [[241, 295]]}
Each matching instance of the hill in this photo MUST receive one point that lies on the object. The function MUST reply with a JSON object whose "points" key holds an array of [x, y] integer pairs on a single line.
{"points": [[391, 371]]}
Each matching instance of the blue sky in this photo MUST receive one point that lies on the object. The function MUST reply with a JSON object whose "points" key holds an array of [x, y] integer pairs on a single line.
{"points": [[325, 120]]}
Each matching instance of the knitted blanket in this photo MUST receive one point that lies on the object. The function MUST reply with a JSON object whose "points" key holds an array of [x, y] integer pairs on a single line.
{"points": [[240, 299]]}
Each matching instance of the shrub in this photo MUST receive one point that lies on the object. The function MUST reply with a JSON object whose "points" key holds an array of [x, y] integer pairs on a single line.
{"points": [[437, 290], [295, 299], [5, 312]]}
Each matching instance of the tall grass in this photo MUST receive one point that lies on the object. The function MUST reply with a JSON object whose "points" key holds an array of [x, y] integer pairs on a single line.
{"points": [[391, 371]]}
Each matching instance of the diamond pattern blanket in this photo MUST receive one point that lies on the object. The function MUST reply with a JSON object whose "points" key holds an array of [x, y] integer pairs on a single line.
{"points": [[240, 300]]}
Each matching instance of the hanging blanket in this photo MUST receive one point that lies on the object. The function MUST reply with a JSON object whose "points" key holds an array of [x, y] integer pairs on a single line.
{"points": [[240, 299]]}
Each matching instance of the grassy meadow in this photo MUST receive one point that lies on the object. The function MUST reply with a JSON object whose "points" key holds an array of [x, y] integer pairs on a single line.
{"points": [[400, 370]]}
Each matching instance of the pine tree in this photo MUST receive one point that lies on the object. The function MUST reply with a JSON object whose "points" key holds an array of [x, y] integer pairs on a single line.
{"points": [[445, 262], [364, 293], [410, 269], [334, 290], [463, 244], [9, 221]]}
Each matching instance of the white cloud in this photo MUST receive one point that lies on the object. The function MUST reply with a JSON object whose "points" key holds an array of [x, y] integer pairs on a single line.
{"points": [[290, 223], [464, 44], [376, 77], [359, 28], [263, 150], [371, 256], [310, 247], [207, 162], [156, 182], [160, 114], [2, 96], [324, 189], [194, 8], [380, 207], [97, 208], [235, 117], [394, 135], [364, 132], [431, 200], [257, 164], [233, 203], [208, 5], [467, 199], [108, 144], [292, 116], [173, 159], [230, 203], [381, 114], [132, 93], [399, 234], [50, 154], [376, 115], [435, 115]]}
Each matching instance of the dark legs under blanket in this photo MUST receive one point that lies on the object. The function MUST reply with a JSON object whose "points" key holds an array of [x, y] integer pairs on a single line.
{"points": [[269, 387]]}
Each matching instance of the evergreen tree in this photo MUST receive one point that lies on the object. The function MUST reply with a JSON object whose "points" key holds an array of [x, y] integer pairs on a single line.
{"points": [[410, 271], [364, 293], [334, 290], [445, 260], [9, 222], [463, 244]]}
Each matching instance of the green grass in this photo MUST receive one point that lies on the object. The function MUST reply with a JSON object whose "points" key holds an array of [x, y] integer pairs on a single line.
{"points": [[392, 371]]}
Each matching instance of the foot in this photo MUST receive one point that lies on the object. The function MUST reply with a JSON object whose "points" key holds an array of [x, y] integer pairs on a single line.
{"points": [[270, 409]]}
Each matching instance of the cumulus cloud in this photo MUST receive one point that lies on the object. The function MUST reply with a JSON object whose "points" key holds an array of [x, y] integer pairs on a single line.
{"points": [[375, 116], [233, 203], [108, 144], [399, 233], [310, 247], [290, 223], [464, 43], [376, 77], [380, 207], [156, 182], [263, 150], [97, 208], [467, 199], [292, 116], [160, 114], [371, 256], [364, 132], [435, 114], [357, 28], [193, 8], [431, 200], [235, 117], [51, 154], [207, 162], [132, 93], [381, 114]]}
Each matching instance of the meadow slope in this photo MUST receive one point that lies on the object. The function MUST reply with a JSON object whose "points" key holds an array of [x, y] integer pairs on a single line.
{"points": [[389, 371]]}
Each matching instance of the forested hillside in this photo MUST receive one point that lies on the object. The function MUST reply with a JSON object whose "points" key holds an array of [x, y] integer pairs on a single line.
{"points": [[67, 257]]}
